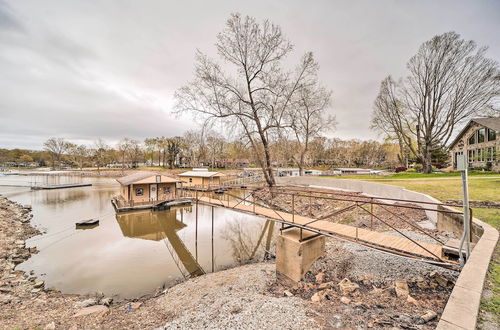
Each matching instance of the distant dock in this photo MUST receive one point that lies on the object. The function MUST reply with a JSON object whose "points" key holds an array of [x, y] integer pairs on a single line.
{"points": [[61, 186]]}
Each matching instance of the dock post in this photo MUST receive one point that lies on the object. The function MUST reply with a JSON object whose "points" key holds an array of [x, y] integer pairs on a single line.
{"points": [[212, 239], [196, 228]]}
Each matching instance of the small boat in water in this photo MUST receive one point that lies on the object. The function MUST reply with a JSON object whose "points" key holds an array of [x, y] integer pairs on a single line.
{"points": [[90, 223]]}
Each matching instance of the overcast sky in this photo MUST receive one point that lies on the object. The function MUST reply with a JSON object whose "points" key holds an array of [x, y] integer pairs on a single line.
{"points": [[108, 69]]}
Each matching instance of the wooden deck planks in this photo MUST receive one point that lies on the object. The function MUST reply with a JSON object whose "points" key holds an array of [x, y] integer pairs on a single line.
{"points": [[365, 235]]}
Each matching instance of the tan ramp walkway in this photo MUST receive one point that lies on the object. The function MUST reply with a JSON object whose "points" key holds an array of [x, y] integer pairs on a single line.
{"points": [[363, 236]]}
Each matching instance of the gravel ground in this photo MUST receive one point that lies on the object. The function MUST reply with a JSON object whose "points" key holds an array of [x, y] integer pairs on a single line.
{"points": [[361, 261], [235, 299], [386, 266]]}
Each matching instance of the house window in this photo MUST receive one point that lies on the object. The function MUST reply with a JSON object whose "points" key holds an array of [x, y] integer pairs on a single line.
{"points": [[472, 139], [479, 155], [190, 180], [470, 155], [139, 192], [158, 178], [490, 152], [480, 135], [492, 134]]}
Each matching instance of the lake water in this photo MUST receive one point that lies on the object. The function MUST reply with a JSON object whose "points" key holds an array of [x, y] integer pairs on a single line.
{"points": [[128, 254]]}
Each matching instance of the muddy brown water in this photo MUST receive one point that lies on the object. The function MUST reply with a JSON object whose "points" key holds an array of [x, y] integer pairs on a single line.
{"points": [[128, 254]]}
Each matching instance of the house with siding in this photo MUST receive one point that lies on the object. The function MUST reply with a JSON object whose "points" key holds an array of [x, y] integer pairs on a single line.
{"points": [[479, 140]]}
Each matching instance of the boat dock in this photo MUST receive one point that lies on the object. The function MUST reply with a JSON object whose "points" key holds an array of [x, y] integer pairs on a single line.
{"points": [[61, 186], [127, 206]]}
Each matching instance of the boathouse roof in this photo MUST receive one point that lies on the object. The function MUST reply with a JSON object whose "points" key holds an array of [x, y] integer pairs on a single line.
{"points": [[145, 177], [201, 173]]}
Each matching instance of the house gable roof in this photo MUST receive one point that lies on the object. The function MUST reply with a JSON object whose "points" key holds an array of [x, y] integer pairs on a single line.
{"points": [[143, 176], [489, 122]]}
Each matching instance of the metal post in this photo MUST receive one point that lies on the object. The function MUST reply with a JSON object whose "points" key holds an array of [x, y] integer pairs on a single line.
{"points": [[293, 207], [196, 228], [310, 210], [462, 167], [470, 223], [371, 217], [212, 239], [466, 211]]}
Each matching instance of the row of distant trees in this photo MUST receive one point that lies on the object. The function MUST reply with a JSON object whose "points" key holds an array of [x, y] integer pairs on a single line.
{"points": [[196, 148]]}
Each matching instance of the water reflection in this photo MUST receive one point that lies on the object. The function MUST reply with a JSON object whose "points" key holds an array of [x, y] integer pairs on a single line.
{"points": [[244, 243], [158, 226]]}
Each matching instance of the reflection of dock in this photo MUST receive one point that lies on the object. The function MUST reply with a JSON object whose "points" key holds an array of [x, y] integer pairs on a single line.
{"points": [[158, 226], [61, 186]]}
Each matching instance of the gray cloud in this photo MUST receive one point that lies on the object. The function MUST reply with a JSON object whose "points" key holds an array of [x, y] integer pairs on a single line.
{"points": [[8, 20], [84, 70]]}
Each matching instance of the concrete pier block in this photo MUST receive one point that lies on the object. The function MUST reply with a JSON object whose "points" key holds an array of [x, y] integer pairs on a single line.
{"points": [[293, 257]]}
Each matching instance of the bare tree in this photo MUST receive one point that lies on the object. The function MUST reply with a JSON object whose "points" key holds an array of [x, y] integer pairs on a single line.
{"points": [[391, 117], [450, 80], [308, 118], [100, 154], [215, 145], [150, 144], [174, 148], [56, 147], [124, 148], [135, 153], [256, 98], [79, 154]]}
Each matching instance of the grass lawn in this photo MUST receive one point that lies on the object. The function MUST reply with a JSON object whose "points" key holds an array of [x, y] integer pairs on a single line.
{"points": [[416, 175], [479, 189]]}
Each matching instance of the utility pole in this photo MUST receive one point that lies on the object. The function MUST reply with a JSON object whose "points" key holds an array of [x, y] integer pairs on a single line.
{"points": [[462, 167]]}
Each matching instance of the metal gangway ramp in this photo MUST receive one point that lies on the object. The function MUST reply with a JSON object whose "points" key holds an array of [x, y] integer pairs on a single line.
{"points": [[400, 245]]}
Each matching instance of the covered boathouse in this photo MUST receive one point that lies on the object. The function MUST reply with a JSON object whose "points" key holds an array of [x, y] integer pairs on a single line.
{"points": [[145, 190], [201, 177]]}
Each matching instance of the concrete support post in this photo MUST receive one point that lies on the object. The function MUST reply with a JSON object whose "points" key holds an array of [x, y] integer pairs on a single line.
{"points": [[293, 256]]}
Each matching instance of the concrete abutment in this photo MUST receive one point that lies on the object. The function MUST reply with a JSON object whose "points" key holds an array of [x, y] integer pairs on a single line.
{"points": [[294, 256]]}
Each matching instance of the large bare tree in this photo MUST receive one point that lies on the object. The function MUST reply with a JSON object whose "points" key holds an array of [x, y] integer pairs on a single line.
{"points": [[450, 79], [255, 97]]}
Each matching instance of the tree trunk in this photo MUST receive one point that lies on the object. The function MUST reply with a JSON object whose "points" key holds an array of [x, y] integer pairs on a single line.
{"points": [[427, 161], [270, 175]]}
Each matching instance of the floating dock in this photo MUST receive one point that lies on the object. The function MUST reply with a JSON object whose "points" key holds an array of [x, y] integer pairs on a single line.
{"points": [[153, 205], [61, 186]]}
